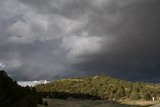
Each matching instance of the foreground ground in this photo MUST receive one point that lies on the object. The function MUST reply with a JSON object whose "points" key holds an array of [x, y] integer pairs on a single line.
{"points": [[98, 103]]}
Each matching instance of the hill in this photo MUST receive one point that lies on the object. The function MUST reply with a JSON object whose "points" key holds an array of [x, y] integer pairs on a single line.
{"points": [[99, 87], [13, 95]]}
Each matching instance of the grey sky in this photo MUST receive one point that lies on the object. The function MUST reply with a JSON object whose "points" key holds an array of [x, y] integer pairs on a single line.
{"points": [[50, 39]]}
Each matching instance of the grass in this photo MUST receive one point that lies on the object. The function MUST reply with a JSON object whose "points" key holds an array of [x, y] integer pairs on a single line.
{"points": [[91, 103], [139, 102]]}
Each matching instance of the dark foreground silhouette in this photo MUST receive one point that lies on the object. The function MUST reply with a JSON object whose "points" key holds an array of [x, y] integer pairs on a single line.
{"points": [[13, 95]]}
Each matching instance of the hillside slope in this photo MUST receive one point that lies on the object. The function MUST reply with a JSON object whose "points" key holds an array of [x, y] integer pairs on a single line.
{"points": [[99, 87], [13, 95]]}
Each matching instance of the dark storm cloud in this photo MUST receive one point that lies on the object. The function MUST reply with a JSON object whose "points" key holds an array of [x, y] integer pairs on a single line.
{"points": [[59, 38], [134, 53]]}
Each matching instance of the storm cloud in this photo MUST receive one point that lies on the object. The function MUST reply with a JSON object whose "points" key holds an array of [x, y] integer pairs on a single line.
{"points": [[50, 39]]}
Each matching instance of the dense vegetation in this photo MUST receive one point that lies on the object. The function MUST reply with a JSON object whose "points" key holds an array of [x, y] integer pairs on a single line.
{"points": [[100, 87], [13, 95]]}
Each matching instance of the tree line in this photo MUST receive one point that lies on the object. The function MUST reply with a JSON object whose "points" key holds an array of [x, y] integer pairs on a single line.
{"points": [[101, 87]]}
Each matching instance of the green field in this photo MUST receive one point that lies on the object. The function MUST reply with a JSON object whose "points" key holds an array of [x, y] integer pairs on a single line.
{"points": [[88, 103]]}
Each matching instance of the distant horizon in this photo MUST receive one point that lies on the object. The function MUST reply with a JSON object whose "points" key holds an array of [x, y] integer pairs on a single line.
{"points": [[35, 82], [155, 80]]}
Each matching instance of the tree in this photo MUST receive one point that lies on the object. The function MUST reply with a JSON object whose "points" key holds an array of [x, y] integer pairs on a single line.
{"points": [[119, 94], [136, 88], [134, 96], [146, 96]]}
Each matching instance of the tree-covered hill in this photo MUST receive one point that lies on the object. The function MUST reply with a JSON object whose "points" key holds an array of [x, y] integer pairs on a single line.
{"points": [[101, 87], [13, 95]]}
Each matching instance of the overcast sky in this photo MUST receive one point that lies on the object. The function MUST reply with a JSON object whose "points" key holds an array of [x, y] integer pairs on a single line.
{"points": [[51, 39]]}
